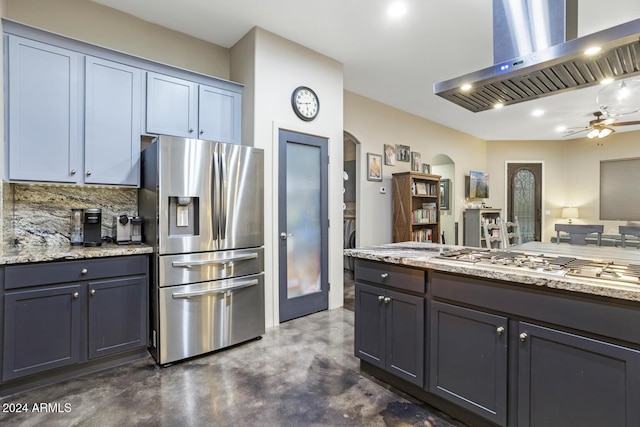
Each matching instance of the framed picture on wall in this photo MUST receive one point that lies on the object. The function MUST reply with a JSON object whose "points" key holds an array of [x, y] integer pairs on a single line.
{"points": [[389, 155], [403, 153], [444, 194], [426, 168], [415, 161], [374, 167]]}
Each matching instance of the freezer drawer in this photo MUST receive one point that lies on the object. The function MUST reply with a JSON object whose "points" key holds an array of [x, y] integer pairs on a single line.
{"points": [[208, 266], [196, 319]]}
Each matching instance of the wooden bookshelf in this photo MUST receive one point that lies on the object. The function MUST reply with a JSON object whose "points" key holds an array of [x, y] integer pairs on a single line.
{"points": [[416, 207]]}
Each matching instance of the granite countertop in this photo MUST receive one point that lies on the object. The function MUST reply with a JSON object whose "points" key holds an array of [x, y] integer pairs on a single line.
{"points": [[425, 255], [59, 253]]}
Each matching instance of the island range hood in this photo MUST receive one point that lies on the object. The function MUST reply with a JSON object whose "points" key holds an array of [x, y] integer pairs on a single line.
{"points": [[555, 69]]}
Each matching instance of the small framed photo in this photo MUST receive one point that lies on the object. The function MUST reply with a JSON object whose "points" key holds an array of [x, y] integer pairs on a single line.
{"points": [[403, 153], [374, 167], [415, 161], [389, 155], [425, 168]]}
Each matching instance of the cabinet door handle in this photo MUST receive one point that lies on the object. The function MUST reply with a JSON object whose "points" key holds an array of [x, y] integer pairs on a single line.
{"points": [[381, 298], [84, 271], [386, 300], [76, 295], [73, 171], [500, 330], [201, 131], [384, 275], [88, 173], [93, 292], [523, 336], [190, 130]]}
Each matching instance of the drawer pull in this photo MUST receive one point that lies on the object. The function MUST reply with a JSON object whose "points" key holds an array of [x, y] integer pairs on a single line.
{"points": [[93, 292], [523, 336], [76, 295], [500, 330], [381, 298], [384, 275], [207, 262], [387, 300], [84, 271]]}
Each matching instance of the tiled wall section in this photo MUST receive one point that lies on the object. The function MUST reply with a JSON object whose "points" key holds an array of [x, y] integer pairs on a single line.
{"points": [[40, 214]]}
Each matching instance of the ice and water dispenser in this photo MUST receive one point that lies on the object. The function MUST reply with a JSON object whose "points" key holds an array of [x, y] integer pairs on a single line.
{"points": [[183, 216]]}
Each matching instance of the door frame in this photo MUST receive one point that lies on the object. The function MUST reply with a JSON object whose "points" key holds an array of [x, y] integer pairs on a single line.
{"points": [[543, 212], [280, 219]]}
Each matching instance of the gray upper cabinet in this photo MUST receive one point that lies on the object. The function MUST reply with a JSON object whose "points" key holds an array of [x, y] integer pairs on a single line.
{"points": [[172, 106], [113, 95], [43, 99], [219, 114], [180, 107]]}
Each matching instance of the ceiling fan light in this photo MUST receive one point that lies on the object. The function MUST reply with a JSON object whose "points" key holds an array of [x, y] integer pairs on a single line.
{"points": [[619, 98], [605, 132], [593, 133]]}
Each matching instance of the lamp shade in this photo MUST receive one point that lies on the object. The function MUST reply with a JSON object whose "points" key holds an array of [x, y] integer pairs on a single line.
{"points": [[570, 213]]}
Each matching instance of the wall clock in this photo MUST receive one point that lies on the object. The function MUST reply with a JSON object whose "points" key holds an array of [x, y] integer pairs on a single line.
{"points": [[305, 103]]}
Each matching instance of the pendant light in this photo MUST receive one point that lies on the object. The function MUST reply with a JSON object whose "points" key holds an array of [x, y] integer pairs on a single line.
{"points": [[620, 97]]}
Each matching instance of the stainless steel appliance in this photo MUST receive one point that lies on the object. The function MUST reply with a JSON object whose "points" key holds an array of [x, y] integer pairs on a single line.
{"points": [[121, 229], [92, 227], [202, 209]]}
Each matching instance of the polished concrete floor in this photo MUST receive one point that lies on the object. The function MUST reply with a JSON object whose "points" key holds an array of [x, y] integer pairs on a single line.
{"points": [[302, 373]]}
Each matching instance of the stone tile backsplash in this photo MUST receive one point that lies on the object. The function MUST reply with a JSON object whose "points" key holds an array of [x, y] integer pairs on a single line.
{"points": [[39, 214]]}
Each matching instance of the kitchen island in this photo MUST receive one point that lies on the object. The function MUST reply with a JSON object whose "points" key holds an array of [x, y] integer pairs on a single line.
{"points": [[539, 335], [66, 311]]}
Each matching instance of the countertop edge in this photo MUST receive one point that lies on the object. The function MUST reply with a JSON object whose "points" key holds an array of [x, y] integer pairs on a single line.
{"points": [[26, 256]]}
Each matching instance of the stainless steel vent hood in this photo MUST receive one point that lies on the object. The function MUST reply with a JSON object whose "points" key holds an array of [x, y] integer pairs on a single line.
{"points": [[556, 69]]}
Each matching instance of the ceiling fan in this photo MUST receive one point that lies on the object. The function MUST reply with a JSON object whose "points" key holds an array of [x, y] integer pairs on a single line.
{"points": [[602, 127]]}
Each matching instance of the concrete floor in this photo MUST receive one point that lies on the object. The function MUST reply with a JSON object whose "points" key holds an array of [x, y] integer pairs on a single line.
{"points": [[302, 373]]}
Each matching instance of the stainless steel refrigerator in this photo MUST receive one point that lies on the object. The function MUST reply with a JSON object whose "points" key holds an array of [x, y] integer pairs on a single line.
{"points": [[202, 205]]}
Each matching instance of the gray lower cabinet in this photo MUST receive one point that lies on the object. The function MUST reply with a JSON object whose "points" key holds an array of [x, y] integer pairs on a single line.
{"points": [[71, 312], [569, 380], [468, 360], [42, 329], [389, 328]]}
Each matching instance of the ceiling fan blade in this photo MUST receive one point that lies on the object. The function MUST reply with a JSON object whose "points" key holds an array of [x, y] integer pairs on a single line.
{"points": [[634, 122]]}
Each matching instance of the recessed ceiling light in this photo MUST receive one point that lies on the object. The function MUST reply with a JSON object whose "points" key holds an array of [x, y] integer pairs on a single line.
{"points": [[592, 50], [397, 9], [498, 105], [465, 87], [537, 113], [606, 81], [561, 128]]}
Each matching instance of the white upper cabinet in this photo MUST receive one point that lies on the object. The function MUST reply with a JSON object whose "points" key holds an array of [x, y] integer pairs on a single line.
{"points": [[112, 123], [183, 108], [43, 114]]}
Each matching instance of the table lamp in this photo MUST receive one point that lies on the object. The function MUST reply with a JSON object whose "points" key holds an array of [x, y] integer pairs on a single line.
{"points": [[570, 213]]}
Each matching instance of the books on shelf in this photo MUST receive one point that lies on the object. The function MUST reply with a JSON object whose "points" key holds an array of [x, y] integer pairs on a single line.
{"points": [[424, 235], [424, 189], [428, 214]]}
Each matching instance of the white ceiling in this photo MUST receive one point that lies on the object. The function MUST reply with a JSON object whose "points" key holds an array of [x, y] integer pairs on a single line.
{"points": [[397, 61]]}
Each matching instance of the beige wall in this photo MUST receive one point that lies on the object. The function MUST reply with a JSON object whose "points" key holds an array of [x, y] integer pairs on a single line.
{"points": [[280, 67], [93, 23], [374, 124]]}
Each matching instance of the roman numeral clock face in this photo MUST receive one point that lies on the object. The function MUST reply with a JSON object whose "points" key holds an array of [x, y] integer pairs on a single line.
{"points": [[305, 103]]}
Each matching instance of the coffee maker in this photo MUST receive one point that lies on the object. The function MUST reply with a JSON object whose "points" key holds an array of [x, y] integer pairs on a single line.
{"points": [[93, 227]]}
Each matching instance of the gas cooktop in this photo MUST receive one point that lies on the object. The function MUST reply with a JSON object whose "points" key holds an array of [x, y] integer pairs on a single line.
{"points": [[608, 271]]}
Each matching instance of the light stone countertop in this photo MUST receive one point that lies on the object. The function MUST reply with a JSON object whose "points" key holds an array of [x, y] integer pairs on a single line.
{"points": [[60, 253], [425, 255]]}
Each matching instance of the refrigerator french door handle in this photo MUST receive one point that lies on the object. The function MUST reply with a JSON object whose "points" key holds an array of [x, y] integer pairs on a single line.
{"points": [[214, 190], [223, 195], [189, 264], [246, 284]]}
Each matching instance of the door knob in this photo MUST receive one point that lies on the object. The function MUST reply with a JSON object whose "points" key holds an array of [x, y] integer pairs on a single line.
{"points": [[285, 236]]}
